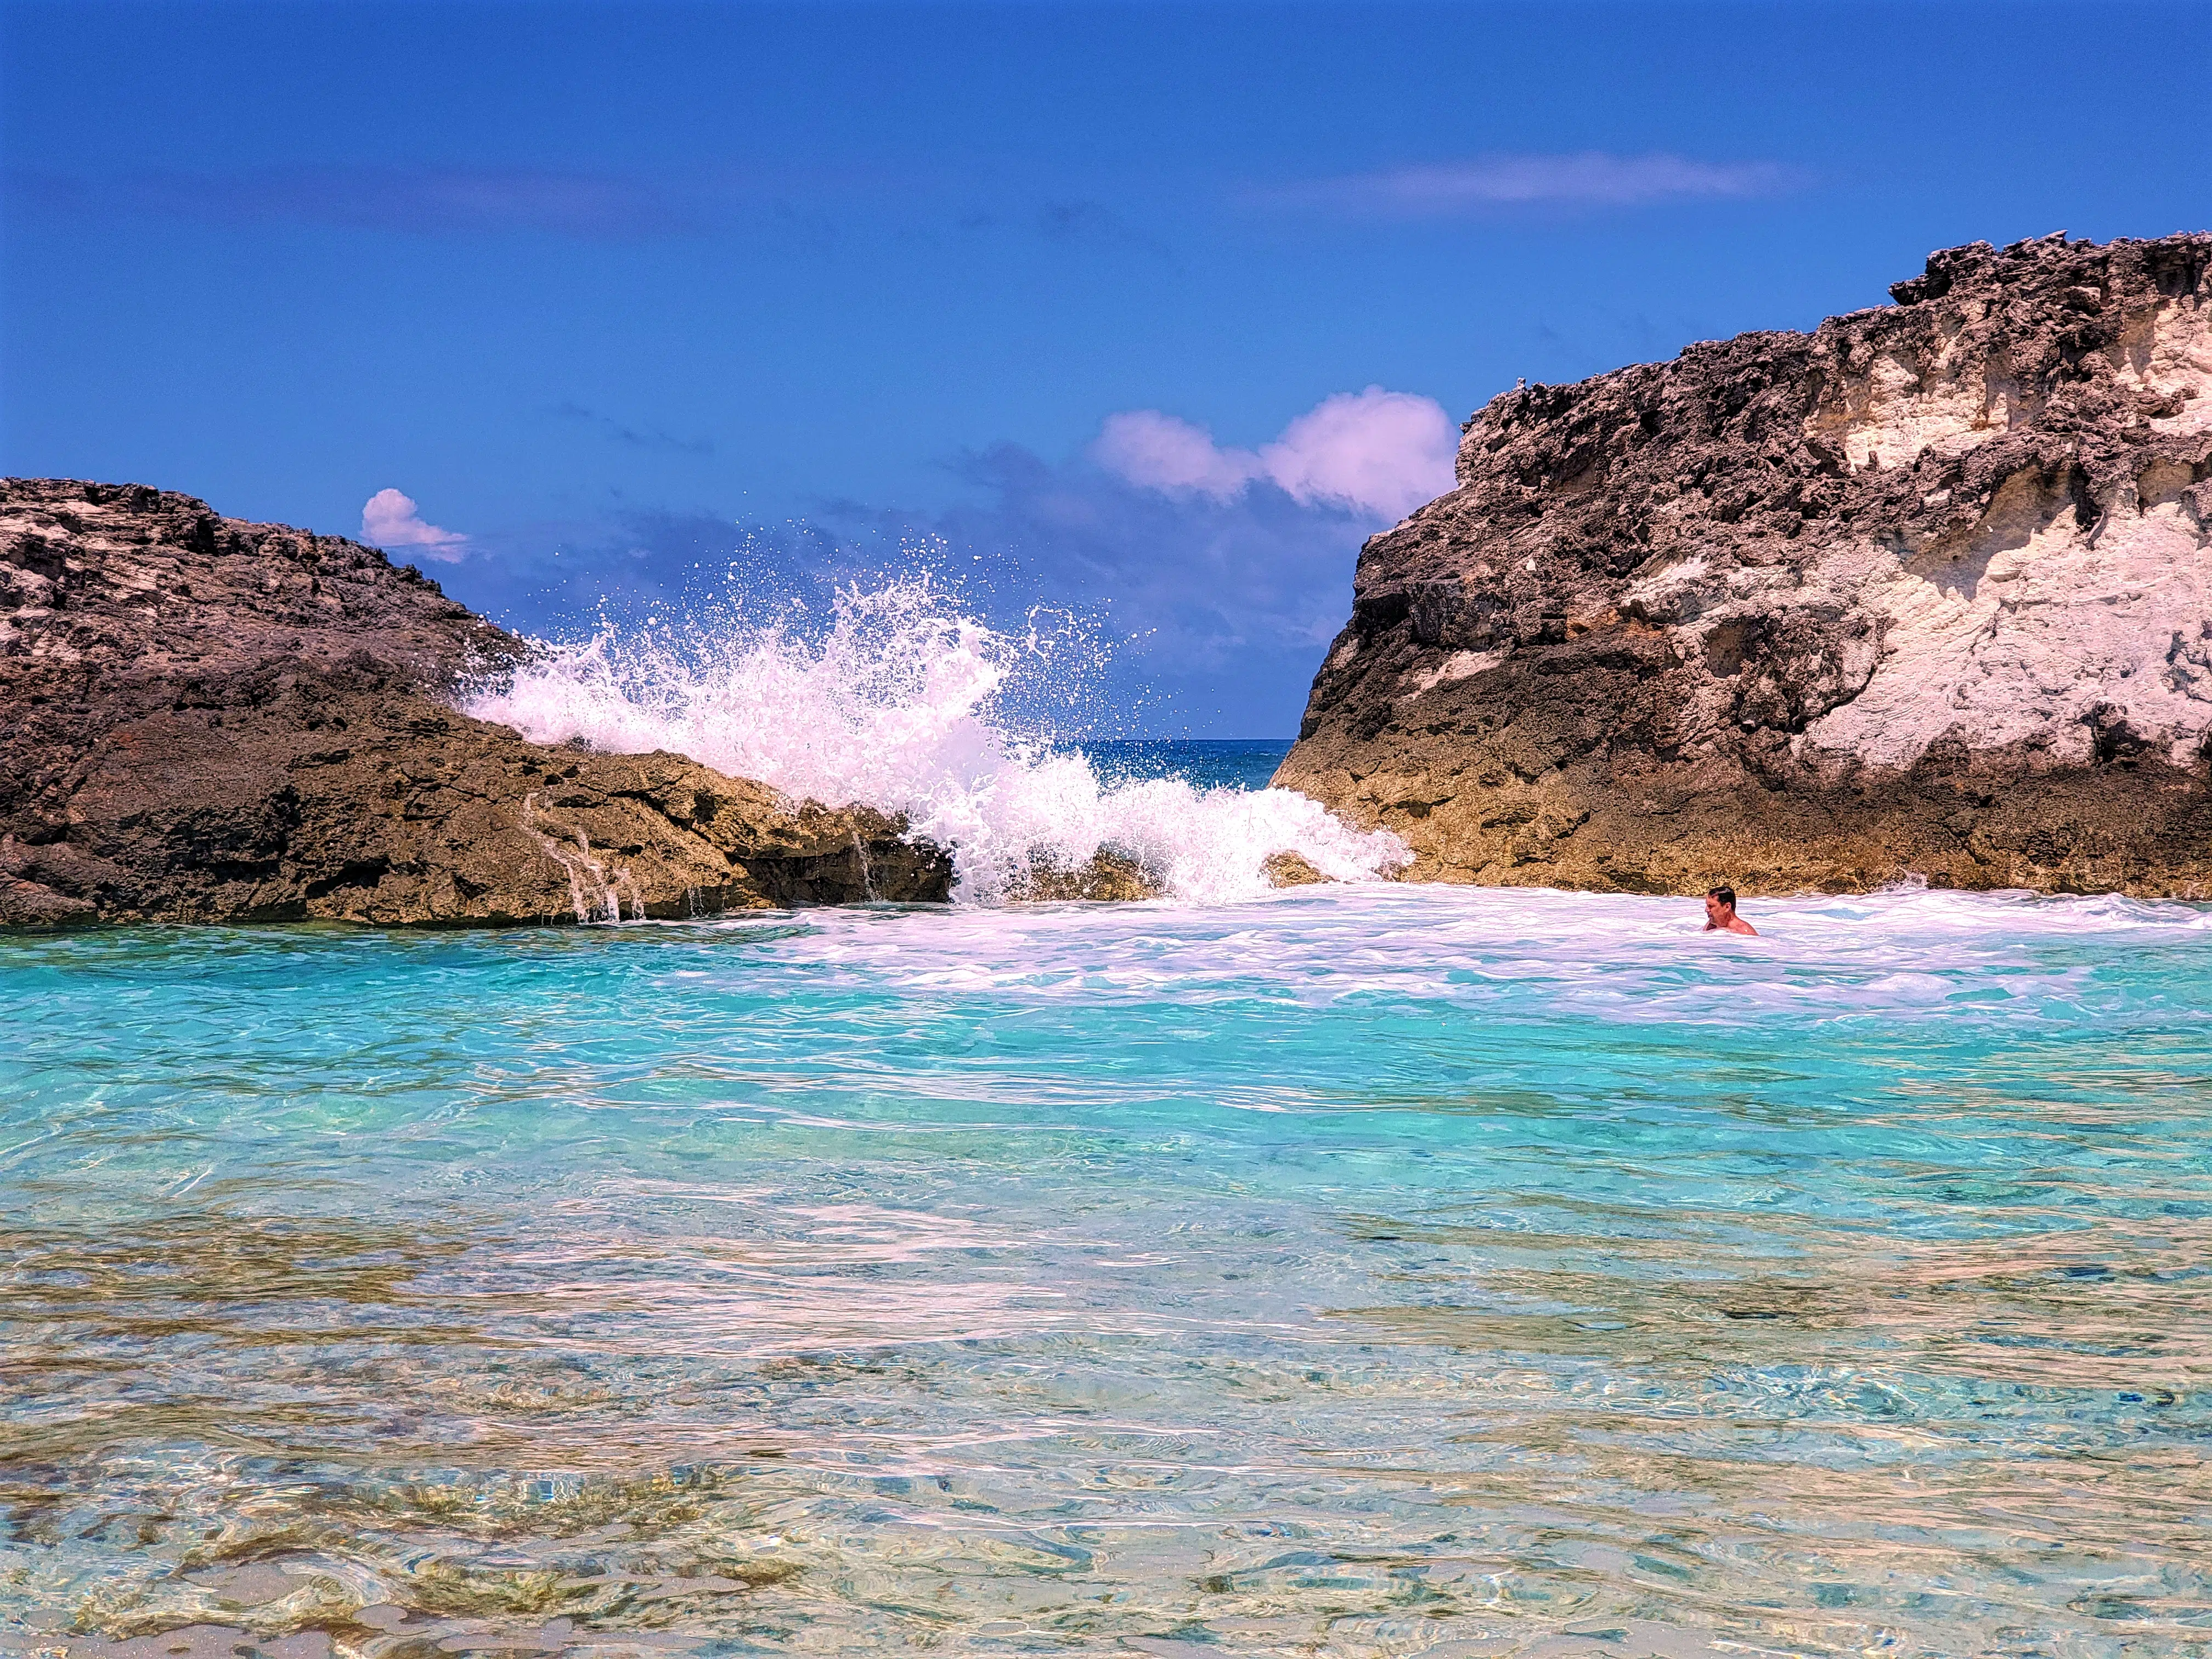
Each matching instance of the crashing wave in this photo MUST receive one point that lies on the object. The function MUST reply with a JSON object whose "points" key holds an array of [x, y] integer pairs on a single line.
{"points": [[902, 702]]}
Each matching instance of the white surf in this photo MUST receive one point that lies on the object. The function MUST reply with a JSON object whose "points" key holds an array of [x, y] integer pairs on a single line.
{"points": [[900, 700]]}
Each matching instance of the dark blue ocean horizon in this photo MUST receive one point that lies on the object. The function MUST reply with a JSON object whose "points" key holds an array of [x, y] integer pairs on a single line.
{"points": [[1204, 763]]}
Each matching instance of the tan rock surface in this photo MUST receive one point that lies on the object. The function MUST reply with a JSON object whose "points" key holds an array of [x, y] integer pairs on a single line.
{"points": [[1106, 876], [203, 719], [1928, 591]]}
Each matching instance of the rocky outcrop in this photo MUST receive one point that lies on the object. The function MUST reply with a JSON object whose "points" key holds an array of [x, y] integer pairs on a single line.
{"points": [[1927, 591], [203, 719]]}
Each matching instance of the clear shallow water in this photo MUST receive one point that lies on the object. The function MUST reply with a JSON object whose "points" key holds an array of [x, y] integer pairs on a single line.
{"points": [[1372, 1270]]}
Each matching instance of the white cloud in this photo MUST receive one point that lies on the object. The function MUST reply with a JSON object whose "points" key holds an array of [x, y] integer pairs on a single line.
{"points": [[1162, 452], [1379, 454], [389, 520], [1589, 178]]}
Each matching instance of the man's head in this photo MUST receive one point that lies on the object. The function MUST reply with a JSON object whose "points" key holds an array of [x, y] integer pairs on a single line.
{"points": [[1720, 903]]}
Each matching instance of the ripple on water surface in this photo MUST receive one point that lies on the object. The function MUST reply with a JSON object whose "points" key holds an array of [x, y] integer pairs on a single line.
{"points": [[1363, 1270]]}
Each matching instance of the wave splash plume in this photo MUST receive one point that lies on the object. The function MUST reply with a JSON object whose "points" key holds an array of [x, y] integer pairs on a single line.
{"points": [[901, 701]]}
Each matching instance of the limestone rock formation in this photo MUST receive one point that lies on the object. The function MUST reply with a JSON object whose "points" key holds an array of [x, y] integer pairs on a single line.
{"points": [[1107, 876], [203, 719], [1927, 591]]}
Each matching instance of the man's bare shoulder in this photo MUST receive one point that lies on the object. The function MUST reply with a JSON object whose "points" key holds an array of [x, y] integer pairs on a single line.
{"points": [[1720, 913]]}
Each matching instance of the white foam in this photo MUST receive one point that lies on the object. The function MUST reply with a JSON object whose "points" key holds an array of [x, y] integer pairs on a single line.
{"points": [[901, 702], [1517, 953]]}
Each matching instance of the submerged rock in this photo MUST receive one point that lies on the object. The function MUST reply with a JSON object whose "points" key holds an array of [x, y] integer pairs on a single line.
{"points": [[1927, 591], [203, 719]]}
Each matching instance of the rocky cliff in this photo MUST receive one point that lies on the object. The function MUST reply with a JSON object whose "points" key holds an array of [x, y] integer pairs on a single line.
{"points": [[1926, 592], [203, 719]]}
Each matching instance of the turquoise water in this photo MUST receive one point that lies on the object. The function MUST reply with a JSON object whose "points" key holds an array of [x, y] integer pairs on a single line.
{"points": [[1365, 1270]]}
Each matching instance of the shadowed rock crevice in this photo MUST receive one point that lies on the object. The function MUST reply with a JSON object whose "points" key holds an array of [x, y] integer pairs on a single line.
{"points": [[1927, 591], [207, 720]]}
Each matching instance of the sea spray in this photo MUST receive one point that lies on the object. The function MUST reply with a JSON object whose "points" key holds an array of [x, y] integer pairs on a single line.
{"points": [[901, 700]]}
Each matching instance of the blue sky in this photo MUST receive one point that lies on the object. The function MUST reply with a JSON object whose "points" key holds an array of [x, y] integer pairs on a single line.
{"points": [[611, 292]]}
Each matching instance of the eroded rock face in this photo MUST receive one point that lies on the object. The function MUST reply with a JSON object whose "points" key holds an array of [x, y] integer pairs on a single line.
{"points": [[1926, 592], [203, 721], [1106, 876]]}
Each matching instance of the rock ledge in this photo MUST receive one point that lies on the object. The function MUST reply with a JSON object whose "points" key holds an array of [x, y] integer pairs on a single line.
{"points": [[203, 719]]}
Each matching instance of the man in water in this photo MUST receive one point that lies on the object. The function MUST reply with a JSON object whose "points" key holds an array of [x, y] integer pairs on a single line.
{"points": [[1721, 917]]}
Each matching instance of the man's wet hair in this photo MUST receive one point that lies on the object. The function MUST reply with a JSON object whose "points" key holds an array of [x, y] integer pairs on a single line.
{"points": [[1725, 894]]}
